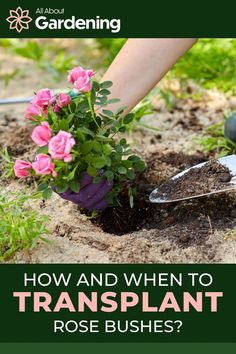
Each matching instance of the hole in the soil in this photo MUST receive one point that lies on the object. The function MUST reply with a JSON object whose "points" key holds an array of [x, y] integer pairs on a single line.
{"points": [[122, 219]]}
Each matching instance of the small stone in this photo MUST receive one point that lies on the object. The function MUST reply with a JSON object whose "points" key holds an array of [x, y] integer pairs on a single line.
{"points": [[184, 238], [224, 177], [169, 220]]}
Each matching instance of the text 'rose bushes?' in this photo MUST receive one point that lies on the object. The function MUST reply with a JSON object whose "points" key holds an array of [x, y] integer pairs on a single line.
{"points": [[79, 144]]}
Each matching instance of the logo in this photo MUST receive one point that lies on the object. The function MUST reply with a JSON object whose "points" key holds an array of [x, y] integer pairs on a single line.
{"points": [[19, 19]]}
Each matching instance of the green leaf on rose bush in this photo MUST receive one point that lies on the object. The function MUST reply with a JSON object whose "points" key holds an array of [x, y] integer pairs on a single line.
{"points": [[129, 118], [92, 171], [104, 92], [75, 186], [109, 175], [42, 150], [107, 112], [47, 192], [86, 147], [99, 162], [106, 84], [113, 100], [97, 147], [122, 170]]}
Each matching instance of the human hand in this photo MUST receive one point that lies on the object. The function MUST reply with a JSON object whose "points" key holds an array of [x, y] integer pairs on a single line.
{"points": [[91, 195]]}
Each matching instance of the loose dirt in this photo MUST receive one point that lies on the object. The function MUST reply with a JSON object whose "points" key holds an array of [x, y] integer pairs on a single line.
{"points": [[211, 177]]}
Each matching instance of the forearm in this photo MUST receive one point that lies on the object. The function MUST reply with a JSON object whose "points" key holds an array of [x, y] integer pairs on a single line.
{"points": [[140, 65]]}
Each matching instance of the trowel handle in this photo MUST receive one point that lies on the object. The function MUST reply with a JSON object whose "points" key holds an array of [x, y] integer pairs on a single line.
{"points": [[15, 100]]}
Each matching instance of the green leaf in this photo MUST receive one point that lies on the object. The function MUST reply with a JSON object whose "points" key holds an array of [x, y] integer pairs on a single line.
{"points": [[42, 186], [129, 118], [123, 142], [110, 198], [97, 179], [106, 84], [139, 166], [97, 147], [47, 193], [107, 149], [103, 100], [108, 160], [87, 147], [107, 112], [72, 107], [99, 162], [134, 158], [103, 138], [113, 100], [92, 171], [87, 131], [61, 188], [63, 124], [96, 86], [127, 163], [83, 106], [120, 110], [109, 175], [42, 150], [132, 193], [69, 118], [122, 129], [130, 174], [104, 92], [119, 148], [122, 170], [80, 135], [75, 186]]}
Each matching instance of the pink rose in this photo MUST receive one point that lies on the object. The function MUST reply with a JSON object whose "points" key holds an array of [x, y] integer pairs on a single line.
{"points": [[60, 146], [43, 165], [44, 97], [21, 168], [56, 109], [42, 134], [63, 100], [81, 78], [31, 111]]}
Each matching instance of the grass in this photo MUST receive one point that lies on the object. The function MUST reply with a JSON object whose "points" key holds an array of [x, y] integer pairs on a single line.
{"points": [[7, 77], [211, 63], [50, 58], [6, 164], [215, 143], [20, 226]]}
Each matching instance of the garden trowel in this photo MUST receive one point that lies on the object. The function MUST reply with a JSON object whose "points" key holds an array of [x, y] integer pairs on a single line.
{"points": [[15, 100], [227, 161]]}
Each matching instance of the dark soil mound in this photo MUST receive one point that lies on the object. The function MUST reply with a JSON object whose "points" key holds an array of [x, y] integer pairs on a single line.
{"points": [[210, 178]]}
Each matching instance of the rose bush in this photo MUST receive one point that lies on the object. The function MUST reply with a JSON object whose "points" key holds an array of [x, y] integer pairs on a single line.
{"points": [[80, 155]]}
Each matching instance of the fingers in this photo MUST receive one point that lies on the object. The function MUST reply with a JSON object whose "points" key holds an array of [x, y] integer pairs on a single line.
{"points": [[100, 205], [93, 202], [86, 179], [91, 195], [90, 190]]}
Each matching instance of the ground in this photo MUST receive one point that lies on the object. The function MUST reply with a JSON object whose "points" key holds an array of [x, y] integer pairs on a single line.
{"points": [[196, 231]]}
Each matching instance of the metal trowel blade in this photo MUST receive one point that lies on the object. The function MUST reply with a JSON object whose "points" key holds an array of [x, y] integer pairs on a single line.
{"points": [[228, 161]]}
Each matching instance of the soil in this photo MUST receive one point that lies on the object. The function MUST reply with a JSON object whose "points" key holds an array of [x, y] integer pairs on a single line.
{"points": [[192, 231], [211, 177]]}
